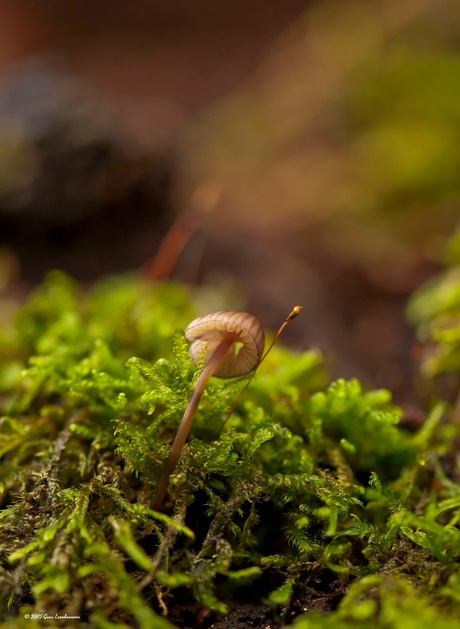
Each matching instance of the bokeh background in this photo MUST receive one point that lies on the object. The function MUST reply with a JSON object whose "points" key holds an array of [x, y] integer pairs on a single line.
{"points": [[325, 133]]}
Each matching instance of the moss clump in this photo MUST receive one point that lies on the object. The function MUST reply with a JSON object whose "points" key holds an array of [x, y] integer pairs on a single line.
{"points": [[313, 497]]}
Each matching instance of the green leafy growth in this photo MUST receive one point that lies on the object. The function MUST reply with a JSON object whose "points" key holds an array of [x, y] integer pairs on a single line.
{"points": [[364, 423], [311, 487], [435, 310], [380, 601]]}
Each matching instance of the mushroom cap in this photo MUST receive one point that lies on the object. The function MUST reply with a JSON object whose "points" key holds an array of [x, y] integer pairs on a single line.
{"points": [[243, 356]]}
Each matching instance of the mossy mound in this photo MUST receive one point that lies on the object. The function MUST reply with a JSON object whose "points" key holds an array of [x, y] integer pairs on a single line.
{"points": [[318, 504]]}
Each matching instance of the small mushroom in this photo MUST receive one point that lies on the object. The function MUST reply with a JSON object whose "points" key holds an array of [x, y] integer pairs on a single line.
{"points": [[232, 343]]}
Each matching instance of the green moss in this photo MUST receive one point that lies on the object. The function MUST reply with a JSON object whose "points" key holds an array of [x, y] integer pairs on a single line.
{"points": [[310, 488], [382, 601], [435, 310]]}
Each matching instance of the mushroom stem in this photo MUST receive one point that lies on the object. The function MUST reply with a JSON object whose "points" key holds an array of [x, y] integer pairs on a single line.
{"points": [[187, 420]]}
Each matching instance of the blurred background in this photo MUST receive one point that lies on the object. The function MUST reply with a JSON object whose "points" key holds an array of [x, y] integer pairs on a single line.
{"points": [[312, 146]]}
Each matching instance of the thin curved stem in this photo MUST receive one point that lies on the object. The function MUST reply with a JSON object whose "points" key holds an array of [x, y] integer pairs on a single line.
{"points": [[204, 199], [292, 315], [187, 420]]}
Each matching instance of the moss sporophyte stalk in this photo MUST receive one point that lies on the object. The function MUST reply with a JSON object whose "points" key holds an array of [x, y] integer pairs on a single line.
{"points": [[317, 503]]}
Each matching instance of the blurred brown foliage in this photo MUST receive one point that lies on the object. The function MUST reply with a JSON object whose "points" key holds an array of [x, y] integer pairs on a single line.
{"points": [[346, 139], [335, 149], [338, 162]]}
